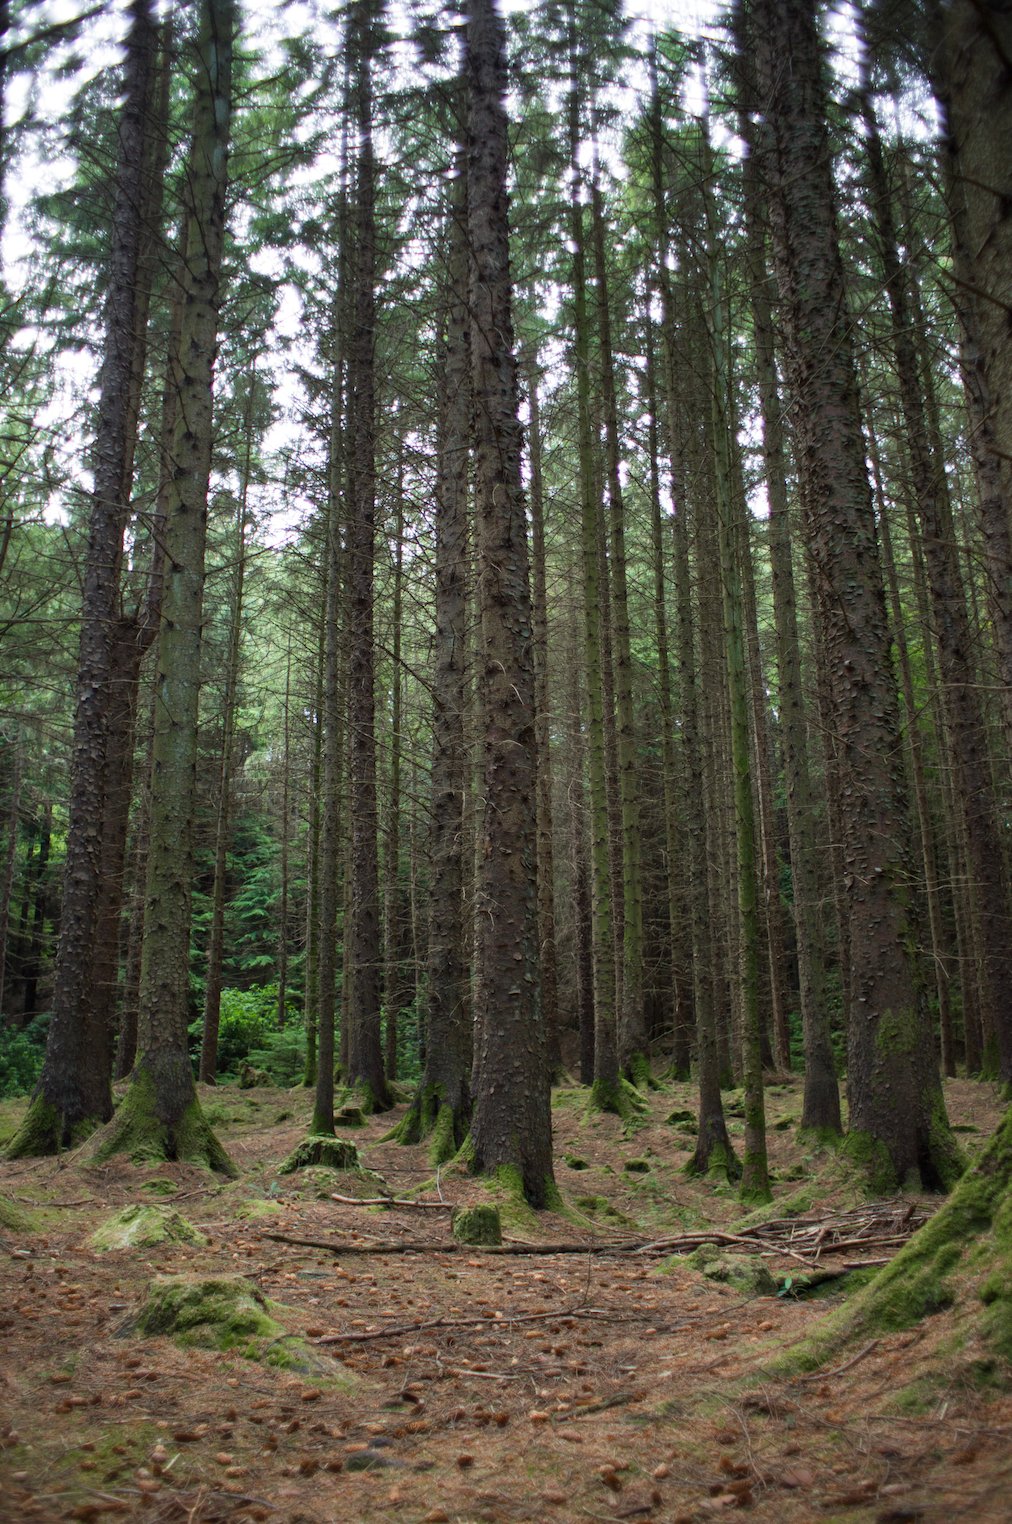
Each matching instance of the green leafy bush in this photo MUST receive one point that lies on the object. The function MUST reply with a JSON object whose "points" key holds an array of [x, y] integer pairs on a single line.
{"points": [[21, 1055]]}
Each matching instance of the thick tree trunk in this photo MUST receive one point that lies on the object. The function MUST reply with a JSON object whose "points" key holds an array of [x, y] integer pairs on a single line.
{"points": [[821, 1106], [511, 1131], [897, 1116], [74, 1091]]}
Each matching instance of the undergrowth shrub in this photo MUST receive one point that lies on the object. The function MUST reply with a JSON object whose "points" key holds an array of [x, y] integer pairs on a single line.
{"points": [[21, 1055]]}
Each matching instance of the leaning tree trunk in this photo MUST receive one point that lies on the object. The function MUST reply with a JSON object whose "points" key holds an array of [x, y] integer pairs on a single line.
{"points": [[898, 1127], [160, 1115], [511, 1132]]}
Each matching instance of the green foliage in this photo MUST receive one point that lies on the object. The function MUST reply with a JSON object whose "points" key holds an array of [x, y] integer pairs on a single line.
{"points": [[21, 1055], [247, 1034]]}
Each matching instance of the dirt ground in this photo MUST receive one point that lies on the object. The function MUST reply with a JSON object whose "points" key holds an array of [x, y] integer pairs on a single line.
{"points": [[457, 1385]]}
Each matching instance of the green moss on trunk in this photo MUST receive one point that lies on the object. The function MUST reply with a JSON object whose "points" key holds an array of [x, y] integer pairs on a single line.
{"points": [[45, 1131], [138, 1130]]}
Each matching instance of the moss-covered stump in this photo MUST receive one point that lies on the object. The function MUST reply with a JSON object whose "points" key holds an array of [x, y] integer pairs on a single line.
{"points": [[961, 1257], [349, 1116], [251, 1078], [477, 1225], [229, 1313], [140, 1227], [334, 1153]]}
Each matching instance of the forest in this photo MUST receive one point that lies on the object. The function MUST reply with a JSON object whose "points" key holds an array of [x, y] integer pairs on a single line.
{"points": [[505, 735]]}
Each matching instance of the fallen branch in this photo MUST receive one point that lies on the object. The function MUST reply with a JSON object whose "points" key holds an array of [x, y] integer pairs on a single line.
{"points": [[838, 1370], [399, 1330], [393, 1201]]}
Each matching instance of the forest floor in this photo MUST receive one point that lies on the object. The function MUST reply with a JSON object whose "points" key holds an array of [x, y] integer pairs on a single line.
{"points": [[461, 1385]]}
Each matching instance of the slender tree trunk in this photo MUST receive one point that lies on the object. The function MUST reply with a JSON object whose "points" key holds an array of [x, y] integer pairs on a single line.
{"points": [[363, 965], [542, 700], [10, 864], [223, 813], [755, 1173], [444, 1097], [605, 1092], [632, 1035], [161, 1114], [679, 910], [512, 1126], [285, 845]]}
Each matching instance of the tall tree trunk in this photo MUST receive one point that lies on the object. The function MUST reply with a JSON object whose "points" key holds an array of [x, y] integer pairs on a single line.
{"points": [[444, 1099], [74, 1092], [511, 1131], [161, 1115], [542, 704], [363, 965], [223, 813], [10, 864], [898, 1127], [821, 1105], [975, 56], [632, 1034], [679, 909], [755, 1173], [964, 717]]}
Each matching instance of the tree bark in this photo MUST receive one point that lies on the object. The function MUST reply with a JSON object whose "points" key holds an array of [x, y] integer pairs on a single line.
{"points": [[161, 1115], [898, 1127], [511, 1131]]}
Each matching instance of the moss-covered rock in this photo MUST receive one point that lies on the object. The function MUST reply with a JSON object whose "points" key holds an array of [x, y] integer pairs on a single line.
{"points": [[477, 1225], [601, 1209], [159, 1186], [573, 1161], [746, 1273], [141, 1227], [637, 1166], [335, 1153]]}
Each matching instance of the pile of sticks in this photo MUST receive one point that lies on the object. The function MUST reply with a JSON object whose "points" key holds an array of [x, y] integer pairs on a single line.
{"points": [[877, 1226]]}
